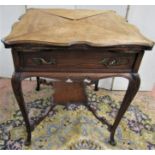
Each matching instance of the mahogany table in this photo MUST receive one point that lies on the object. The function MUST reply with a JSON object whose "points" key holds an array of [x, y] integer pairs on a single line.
{"points": [[77, 45]]}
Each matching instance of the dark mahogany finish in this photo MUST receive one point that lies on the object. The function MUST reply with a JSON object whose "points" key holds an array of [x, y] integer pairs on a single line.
{"points": [[77, 62], [77, 58]]}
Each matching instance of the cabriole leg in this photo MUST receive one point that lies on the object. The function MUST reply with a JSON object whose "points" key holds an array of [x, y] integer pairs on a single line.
{"points": [[17, 88], [133, 86]]}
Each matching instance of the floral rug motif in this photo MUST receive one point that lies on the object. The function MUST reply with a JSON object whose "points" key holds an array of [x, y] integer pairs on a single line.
{"points": [[73, 126]]}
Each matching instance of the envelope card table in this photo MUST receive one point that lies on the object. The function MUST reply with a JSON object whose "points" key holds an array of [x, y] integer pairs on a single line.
{"points": [[75, 44]]}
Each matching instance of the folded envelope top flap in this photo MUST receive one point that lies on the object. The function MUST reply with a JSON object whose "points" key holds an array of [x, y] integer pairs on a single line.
{"points": [[73, 14]]}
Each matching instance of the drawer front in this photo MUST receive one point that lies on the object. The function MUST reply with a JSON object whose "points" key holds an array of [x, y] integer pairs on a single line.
{"points": [[76, 61]]}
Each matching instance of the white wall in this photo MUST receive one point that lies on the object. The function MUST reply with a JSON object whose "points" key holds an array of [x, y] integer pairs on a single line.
{"points": [[141, 16], [8, 14], [120, 9]]}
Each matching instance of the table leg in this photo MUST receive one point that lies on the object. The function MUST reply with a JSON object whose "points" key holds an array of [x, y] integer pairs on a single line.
{"points": [[133, 86], [96, 85], [38, 83], [17, 88]]}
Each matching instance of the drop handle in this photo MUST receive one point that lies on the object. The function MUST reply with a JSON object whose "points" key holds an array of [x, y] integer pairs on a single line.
{"points": [[42, 61], [109, 62]]}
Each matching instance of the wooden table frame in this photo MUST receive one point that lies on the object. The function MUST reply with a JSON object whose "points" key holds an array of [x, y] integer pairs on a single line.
{"points": [[133, 86], [75, 44]]}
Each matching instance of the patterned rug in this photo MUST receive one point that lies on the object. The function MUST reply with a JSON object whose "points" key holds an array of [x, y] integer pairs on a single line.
{"points": [[73, 126]]}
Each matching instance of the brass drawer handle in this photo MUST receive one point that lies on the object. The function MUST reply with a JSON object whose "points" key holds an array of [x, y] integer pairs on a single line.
{"points": [[42, 61], [109, 62]]}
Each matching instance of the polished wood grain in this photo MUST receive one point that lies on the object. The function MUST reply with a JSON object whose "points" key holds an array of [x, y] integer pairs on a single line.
{"points": [[77, 58], [69, 93], [76, 61]]}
